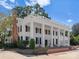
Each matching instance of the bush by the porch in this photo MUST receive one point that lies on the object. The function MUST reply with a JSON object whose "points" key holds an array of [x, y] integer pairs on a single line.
{"points": [[32, 44]]}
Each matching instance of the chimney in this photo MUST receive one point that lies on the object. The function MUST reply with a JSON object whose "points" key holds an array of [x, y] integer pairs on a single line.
{"points": [[14, 27]]}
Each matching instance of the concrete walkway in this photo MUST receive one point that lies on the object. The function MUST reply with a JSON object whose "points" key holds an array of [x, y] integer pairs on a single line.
{"points": [[62, 55]]}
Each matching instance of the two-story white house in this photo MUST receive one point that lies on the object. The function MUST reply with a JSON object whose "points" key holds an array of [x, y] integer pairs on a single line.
{"points": [[46, 32]]}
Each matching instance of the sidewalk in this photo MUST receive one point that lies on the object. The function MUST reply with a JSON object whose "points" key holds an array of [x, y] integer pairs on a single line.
{"points": [[74, 54]]}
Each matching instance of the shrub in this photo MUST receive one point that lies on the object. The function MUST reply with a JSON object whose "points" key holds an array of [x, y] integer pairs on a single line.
{"points": [[0, 45], [9, 45], [74, 40], [19, 44], [22, 44], [32, 44], [25, 43]]}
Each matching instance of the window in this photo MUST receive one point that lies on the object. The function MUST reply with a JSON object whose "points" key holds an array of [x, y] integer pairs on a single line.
{"points": [[49, 31], [21, 37], [27, 28], [56, 33], [27, 38], [21, 28], [40, 40], [45, 31], [18, 29], [61, 33], [56, 41], [53, 41], [53, 33], [46, 43], [37, 41], [38, 30]]}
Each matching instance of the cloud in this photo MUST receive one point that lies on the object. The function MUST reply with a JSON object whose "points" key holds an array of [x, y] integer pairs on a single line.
{"points": [[13, 1], [6, 5], [42, 3], [27, 3], [3, 0], [69, 20]]}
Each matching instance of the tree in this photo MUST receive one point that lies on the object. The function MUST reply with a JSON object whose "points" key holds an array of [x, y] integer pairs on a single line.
{"points": [[75, 29], [23, 11], [32, 44], [36, 9], [74, 40], [5, 24], [40, 11], [18, 10], [74, 36], [28, 10]]}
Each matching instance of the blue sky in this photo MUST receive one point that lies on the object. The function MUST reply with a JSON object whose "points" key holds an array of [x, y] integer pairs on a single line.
{"points": [[63, 11]]}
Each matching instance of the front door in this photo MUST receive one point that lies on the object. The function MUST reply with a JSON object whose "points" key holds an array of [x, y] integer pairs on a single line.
{"points": [[46, 43]]}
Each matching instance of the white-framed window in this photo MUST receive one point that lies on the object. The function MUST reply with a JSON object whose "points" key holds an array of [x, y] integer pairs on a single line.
{"points": [[38, 30], [21, 38], [53, 32], [56, 33], [27, 28], [56, 41], [20, 28], [27, 38], [47, 32], [38, 40]]}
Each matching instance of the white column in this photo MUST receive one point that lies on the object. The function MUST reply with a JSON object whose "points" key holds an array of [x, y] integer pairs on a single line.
{"points": [[59, 39], [51, 36], [64, 38], [68, 38], [43, 32], [32, 30], [23, 31]]}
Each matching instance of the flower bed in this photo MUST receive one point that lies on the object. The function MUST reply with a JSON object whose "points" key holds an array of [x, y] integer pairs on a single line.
{"points": [[55, 50]]}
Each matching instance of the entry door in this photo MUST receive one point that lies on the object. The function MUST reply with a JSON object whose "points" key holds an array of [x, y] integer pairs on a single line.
{"points": [[46, 43]]}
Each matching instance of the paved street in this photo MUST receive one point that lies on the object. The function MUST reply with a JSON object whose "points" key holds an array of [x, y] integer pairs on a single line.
{"points": [[63, 55]]}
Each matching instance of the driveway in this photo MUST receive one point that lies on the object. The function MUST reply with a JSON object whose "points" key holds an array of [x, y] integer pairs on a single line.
{"points": [[62, 55]]}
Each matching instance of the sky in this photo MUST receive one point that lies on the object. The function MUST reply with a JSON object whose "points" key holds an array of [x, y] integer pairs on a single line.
{"points": [[62, 11]]}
